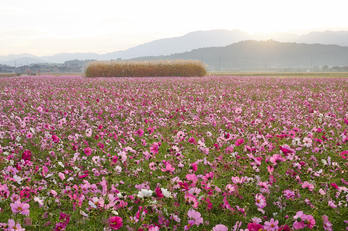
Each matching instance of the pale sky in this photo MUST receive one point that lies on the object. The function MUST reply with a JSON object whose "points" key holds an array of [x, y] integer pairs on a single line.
{"points": [[47, 27]]}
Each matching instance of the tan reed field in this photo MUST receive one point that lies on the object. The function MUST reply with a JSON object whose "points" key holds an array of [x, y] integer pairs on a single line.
{"points": [[8, 74], [156, 68]]}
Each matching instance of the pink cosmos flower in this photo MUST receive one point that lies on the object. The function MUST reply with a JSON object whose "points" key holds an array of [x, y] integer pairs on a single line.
{"points": [[89, 132], [61, 175], [15, 197], [238, 110], [271, 225], [140, 132], [153, 228], [239, 142], [168, 168], [232, 189], [154, 148], [220, 227], [229, 149], [276, 158], [308, 185], [260, 200], [309, 221], [153, 166], [19, 207], [289, 194], [115, 222], [196, 216], [12, 170], [29, 135], [13, 226], [192, 177], [237, 180], [192, 200], [299, 217], [327, 223]]}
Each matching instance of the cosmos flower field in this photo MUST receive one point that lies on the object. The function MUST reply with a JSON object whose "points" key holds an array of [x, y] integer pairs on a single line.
{"points": [[211, 153]]}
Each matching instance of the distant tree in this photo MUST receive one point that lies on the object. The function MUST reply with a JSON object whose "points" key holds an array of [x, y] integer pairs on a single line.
{"points": [[335, 68], [325, 68]]}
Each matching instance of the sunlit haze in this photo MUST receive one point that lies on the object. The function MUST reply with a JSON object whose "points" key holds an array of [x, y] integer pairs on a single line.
{"points": [[42, 27]]}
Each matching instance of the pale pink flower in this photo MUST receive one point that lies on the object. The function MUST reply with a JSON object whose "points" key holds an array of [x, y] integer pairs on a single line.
{"points": [[12, 226], [19, 207], [271, 225], [327, 223], [307, 142], [260, 200], [308, 185], [220, 227], [196, 216]]}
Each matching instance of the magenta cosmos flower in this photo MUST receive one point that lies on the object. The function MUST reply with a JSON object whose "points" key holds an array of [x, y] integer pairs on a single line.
{"points": [[19, 207], [239, 142], [115, 222], [26, 155], [344, 154], [88, 151]]}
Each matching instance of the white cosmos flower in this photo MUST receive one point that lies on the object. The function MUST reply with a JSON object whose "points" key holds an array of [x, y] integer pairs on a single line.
{"points": [[144, 193], [118, 169], [18, 179], [114, 212], [307, 142], [166, 193]]}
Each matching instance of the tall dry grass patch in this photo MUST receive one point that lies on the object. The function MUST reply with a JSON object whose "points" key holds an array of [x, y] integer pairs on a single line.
{"points": [[157, 68]]}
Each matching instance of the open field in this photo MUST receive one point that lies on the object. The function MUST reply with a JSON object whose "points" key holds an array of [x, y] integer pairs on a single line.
{"points": [[286, 74], [199, 153]]}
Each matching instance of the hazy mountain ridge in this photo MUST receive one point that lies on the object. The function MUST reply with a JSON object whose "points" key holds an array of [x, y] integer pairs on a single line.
{"points": [[185, 43], [263, 55]]}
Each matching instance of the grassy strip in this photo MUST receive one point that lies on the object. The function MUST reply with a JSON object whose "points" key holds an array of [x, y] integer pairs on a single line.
{"points": [[145, 68]]}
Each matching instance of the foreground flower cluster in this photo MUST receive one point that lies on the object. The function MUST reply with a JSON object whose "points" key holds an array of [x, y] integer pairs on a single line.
{"points": [[211, 153]]}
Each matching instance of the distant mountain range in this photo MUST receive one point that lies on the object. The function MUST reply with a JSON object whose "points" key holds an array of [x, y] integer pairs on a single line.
{"points": [[185, 43], [263, 55]]}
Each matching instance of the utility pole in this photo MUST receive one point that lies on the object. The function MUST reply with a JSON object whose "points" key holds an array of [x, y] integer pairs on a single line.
{"points": [[311, 64], [265, 65]]}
